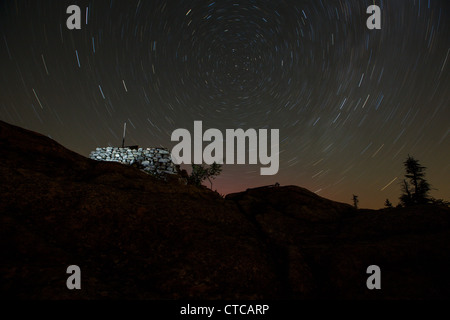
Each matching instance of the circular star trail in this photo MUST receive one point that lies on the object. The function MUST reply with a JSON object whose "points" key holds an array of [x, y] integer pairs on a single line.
{"points": [[350, 103]]}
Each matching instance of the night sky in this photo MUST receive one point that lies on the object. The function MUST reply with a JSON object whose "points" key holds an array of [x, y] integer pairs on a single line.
{"points": [[350, 103]]}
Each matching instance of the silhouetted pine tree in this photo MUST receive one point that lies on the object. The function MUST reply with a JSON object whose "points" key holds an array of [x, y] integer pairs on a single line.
{"points": [[415, 188], [388, 204]]}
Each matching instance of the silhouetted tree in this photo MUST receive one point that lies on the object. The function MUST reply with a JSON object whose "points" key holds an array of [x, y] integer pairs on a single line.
{"points": [[415, 188], [213, 171], [201, 173], [355, 201], [388, 204], [197, 175]]}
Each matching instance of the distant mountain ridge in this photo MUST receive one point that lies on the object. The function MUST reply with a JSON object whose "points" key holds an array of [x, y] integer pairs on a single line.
{"points": [[137, 237]]}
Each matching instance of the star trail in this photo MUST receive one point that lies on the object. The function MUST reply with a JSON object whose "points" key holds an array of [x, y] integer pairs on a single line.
{"points": [[350, 103]]}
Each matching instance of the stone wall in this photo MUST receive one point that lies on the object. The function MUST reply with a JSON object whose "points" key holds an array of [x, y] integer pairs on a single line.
{"points": [[156, 161]]}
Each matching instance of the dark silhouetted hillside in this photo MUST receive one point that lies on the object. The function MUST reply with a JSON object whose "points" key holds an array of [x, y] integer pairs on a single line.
{"points": [[136, 237]]}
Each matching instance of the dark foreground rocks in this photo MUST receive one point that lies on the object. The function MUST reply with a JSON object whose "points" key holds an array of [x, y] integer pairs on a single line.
{"points": [[136, 237]]}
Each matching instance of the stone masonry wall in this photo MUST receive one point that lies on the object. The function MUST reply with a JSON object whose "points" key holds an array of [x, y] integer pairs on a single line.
{"points": [[152, 160]]}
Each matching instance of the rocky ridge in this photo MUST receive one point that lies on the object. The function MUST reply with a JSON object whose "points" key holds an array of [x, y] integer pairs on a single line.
{"points": [[138, 237]]}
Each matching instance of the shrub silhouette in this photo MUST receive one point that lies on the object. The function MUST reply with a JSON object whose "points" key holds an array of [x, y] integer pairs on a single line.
{"points": [[202, 172]]}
